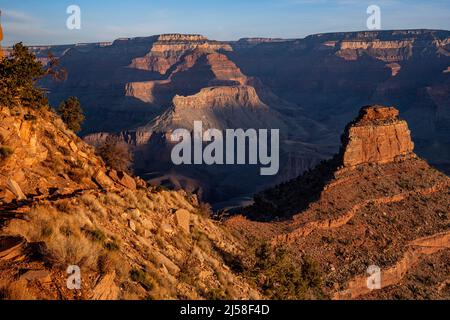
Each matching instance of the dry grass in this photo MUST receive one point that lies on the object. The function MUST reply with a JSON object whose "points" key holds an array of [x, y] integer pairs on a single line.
{"points": [[93, 205], [62, 233]]}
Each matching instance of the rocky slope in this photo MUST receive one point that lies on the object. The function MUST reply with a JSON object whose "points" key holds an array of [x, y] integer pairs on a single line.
{"points": [[375, 203], [60, 206]]}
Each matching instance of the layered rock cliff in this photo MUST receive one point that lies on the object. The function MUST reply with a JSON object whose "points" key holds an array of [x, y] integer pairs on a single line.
{"points": [[376, 136], [221, 97], [169, 48]]}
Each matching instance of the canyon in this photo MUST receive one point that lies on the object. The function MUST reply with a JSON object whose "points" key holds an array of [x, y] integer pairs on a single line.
{"points": [[141, 89]]}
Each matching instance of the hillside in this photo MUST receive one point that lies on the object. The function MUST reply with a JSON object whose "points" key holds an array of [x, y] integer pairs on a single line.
{"points": [[60, 206], [374, 203]]}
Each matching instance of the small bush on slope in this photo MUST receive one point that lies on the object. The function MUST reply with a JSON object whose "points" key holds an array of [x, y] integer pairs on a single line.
{"points": [[5, 152], [116, 155], [282, 276]]}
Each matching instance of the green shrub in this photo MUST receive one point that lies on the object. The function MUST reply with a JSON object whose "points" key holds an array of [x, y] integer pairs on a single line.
{"points": [[281, 275], [19, 73], [71, 113], [96, 235], [112, 246], [141, 277]]}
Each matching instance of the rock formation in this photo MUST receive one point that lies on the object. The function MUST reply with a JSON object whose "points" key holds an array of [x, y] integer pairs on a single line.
{"points": [[169, 48], [377, 136], [221, 97]]}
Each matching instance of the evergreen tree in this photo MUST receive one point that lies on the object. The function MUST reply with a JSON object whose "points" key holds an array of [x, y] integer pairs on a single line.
{"points": [[71, 113]]}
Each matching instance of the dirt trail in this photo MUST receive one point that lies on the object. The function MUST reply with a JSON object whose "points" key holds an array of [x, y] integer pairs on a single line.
{"points": [[333, 223], [358, 286], [389, 276]]}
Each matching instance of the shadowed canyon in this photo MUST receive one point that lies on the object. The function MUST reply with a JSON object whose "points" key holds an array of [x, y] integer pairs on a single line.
{"points": [[141, 89]]}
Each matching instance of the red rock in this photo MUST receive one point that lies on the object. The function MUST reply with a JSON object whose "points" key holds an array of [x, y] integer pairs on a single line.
{"points": [[377, 136], [103, 180], [12, 248]]}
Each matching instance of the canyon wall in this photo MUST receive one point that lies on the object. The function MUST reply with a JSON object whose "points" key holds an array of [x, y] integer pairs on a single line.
{"points": [[143, 88]]}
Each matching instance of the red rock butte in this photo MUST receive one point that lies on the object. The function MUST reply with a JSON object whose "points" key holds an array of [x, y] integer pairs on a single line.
{"points": [[376, 136]]}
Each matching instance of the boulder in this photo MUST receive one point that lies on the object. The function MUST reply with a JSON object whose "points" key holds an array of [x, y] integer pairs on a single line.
{"points": [[167, 228], [103, 180], [183, 218], [73, 146], [12, 248], [122, 178], [42, 276], [106, 289], [14, 187], [132, 225]]}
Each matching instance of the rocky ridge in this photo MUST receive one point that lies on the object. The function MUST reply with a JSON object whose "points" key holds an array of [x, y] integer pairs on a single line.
{"points": [[347, 215]]}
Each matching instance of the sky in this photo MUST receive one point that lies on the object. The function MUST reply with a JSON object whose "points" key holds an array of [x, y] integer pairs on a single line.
{"points": [[44, 22]]}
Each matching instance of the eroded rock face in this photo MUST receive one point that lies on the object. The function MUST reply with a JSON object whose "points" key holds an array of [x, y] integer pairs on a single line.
{"points": [[221, 97], [376, 136], [168, 49]]}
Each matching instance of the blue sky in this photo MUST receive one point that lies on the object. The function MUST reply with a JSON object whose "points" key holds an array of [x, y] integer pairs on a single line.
{"points": [[44, 21]]}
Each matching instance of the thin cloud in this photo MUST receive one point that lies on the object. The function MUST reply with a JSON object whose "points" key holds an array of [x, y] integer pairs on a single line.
{"points": [[18, 17]]}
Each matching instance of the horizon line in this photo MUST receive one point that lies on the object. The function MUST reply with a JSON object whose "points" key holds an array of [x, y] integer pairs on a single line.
{"points": [[241, 38]]}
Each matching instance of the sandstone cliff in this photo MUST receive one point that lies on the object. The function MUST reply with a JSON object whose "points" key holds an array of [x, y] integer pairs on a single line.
{"points": [[377, 136], [221, 97], [168, 49]]}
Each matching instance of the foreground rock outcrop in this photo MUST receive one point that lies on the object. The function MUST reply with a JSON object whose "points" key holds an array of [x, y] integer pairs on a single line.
{"points": [[376, 136]]}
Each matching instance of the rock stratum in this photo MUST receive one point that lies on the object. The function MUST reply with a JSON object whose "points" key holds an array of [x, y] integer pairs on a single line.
{"points": [[373, 204], [377, 136]]}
